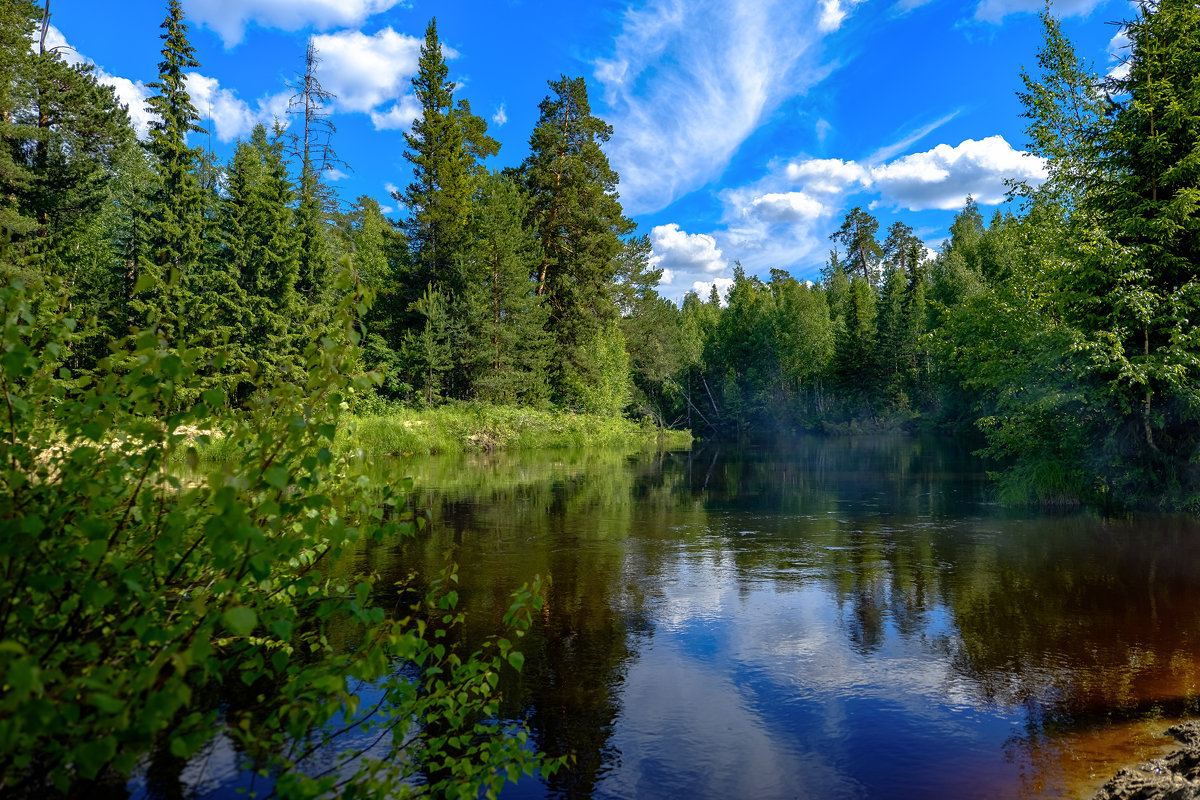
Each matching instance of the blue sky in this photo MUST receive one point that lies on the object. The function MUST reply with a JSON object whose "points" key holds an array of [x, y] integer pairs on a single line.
{"points": [[742, 130]]}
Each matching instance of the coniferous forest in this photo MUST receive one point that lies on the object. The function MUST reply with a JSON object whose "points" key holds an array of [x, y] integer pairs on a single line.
{"points": [[150, 289]]}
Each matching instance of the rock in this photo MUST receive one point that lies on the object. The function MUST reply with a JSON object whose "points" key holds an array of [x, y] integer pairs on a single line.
{"points": [[1175, 776]]}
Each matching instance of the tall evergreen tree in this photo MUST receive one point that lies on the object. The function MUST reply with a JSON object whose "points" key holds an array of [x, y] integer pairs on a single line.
{"points": [[579, 220], [857, 236], [509, 345], [194, 299], [17, 20], [175, 243], [438, 197], [261, 246]]}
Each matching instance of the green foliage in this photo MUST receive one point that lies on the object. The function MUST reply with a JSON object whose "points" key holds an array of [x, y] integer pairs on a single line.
{"points": [[129, 591], [578, 218], [473, 427]]}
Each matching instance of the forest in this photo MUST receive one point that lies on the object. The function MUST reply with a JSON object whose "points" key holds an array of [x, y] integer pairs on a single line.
{"points": [[149, 289], [1057, 329]]}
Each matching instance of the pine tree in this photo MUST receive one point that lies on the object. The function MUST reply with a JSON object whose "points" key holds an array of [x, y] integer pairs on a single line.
{"points": [[579, 221], [863, 252]]}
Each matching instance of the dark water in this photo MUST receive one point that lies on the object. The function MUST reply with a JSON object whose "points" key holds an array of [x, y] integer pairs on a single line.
{"points": [[832, 619], [845, 618]]}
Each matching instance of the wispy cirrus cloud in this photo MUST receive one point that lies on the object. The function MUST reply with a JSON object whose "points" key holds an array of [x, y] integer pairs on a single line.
{"points": [[995, 11], [688, 82]]}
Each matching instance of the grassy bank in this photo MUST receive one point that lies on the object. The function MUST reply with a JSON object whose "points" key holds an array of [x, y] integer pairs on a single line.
{"points": [[473, 427]]}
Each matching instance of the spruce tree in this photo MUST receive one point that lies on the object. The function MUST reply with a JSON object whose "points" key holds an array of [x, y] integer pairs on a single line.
{"points": [[262, 248], [509, 347], [194, 299], [439, 195]]}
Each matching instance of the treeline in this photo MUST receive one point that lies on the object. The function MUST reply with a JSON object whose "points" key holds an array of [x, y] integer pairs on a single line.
{"points": [[1064, 331], [1066, 334], [503, 287]]}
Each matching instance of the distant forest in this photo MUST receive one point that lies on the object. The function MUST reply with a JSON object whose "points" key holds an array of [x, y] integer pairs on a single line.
{"points": [[1062, 331]]}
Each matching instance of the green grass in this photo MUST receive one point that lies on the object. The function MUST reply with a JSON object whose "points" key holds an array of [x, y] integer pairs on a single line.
{"points": [[475, 427]]}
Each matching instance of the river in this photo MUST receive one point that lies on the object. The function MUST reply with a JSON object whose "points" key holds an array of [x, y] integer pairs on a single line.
{"points": [[827, 618]]}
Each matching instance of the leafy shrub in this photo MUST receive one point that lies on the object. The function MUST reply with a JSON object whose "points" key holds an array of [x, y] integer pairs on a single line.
{"points": [[129, 594]]}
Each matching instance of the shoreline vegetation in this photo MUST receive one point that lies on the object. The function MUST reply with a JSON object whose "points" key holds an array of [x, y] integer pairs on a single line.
{"points": [[473, 428]]}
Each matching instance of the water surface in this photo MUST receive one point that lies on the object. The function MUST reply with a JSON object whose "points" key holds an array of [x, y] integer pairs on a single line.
{"points": [[844, 618]]}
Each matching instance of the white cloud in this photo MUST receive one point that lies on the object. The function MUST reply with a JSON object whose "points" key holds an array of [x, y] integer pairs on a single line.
{"points": [[56, 41], [1118, 54], [786, 207], [391, 188], [134, 96], [688, 82], [366, 72], [682, 252], [399, 117], [834, 13], [386, 209], [704, 288], [784, 219], [996, 10], [942, 177], [333, 174], [827, 175], [823, 128], [228, 18], [500, 117], [229, 115]]}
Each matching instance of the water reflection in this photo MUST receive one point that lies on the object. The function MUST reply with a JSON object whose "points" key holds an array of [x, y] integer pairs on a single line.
{"points": [[837, 618]]}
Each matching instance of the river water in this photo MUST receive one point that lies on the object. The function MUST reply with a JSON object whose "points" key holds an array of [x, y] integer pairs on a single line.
{"points": [[826, 618], [830, 618]]}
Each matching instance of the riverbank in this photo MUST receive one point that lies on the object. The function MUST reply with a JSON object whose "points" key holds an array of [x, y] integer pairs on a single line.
{"points": [[475, 427], [1175, 776]]}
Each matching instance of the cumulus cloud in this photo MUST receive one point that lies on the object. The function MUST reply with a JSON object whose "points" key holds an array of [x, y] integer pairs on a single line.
{"points": [[228, 18], [230, 116], [704, 288], [683, 254], [500, 117], [827, 175], [365, 72], [786, 207], [399, 116], [783, 220], [942, 177], [688, 82], [996, 10]]}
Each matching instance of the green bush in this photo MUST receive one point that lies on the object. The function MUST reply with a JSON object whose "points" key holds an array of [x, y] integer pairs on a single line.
{"points": [[129, 596]]}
